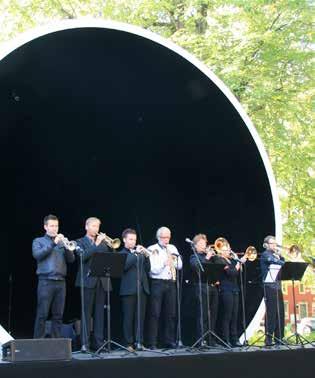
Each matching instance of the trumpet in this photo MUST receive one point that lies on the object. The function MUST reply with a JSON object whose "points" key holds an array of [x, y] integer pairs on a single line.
{"points": [[140, 250], [112, 243], [70, 245], [250, 253]]}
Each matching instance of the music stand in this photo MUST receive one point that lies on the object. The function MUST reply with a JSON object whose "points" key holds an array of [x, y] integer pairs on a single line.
{"points": [[294, 271], [212, 273], [108, 265]]}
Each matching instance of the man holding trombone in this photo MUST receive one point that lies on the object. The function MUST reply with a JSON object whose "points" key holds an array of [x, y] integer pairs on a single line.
{"points": [[52, 252]]}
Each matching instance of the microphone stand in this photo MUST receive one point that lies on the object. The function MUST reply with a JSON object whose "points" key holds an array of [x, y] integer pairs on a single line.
{"points": [[243, 304], [199, 270], [179, 342]]}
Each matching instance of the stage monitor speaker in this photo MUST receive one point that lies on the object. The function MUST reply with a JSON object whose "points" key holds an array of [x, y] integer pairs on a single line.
{"points": [[37, 350]]}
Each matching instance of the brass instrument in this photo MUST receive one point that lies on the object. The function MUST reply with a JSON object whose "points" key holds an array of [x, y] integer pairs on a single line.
{"points": [[219, 243], [172, 265], [112, 243], [70, 245], [143, 251], [209, 249], [250, 253]]}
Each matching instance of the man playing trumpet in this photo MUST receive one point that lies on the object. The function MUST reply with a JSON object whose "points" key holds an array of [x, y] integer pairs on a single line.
{"points": [[137, 267], [95, 288], [165, 262], [51, 256], [207, 299]]}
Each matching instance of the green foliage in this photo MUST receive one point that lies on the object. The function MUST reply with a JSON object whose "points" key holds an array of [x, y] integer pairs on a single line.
{"points": [[262, 50]]}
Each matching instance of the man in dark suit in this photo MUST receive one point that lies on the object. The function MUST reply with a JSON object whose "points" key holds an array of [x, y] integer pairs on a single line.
{"points": [[95, 288], [137, 267], [274, 320]]}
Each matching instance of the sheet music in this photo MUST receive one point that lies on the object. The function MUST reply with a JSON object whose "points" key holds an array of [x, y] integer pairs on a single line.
{"points": [[272, 273]]}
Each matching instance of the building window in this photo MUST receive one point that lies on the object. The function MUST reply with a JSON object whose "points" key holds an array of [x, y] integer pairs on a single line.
{"points": [[286, 310], [285, 287], [302, 288], [303, 310]]}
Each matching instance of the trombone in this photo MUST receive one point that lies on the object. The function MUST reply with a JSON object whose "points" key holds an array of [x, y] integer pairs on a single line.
{"points": [[112, 243]]}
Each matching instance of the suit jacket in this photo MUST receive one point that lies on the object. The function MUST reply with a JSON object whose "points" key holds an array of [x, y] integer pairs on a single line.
{"points": [[128, 285], [89, 250]]}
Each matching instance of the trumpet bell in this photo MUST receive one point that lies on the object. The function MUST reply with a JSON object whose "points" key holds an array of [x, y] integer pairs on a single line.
{"points": [[115, 243]]}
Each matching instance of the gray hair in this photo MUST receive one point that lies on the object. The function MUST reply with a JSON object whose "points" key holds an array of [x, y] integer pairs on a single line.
{"points": [[159, 231]]}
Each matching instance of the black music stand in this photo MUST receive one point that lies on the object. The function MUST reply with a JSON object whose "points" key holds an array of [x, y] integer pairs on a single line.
{"points": [[212, 272], [294, 271], [108, 265]]}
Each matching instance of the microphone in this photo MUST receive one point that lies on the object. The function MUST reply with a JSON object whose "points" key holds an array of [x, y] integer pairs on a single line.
{"points": [[187, 240]]}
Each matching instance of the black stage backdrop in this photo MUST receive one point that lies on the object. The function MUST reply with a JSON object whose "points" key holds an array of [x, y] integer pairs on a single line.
{"points": [[98, 122]]}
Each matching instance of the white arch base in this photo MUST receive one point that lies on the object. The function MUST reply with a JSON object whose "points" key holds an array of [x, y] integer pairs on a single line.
{"points": [[4, 338]]}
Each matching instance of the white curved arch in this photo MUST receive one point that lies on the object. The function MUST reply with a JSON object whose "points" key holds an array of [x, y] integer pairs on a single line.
{"points": [[94, 23]]}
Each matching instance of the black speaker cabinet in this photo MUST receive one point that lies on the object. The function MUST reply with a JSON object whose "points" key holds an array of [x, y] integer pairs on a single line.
{"points": [[37, 350]]}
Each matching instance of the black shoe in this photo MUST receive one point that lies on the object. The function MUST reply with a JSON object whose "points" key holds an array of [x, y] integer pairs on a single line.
{"points": [[170, 345], [152, 347], [268, 342], [236, 344]]}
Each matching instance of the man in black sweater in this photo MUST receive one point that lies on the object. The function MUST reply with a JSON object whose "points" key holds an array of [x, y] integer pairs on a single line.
{"points": [[137, 267], [95, 288], [51, 256]]}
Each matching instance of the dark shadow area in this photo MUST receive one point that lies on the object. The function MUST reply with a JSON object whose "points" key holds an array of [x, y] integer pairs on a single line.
{"points": [[97, 122]]}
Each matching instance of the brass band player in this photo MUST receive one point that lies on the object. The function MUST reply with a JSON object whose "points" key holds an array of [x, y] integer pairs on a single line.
{"points": [[95, 288], [274, 322], [210, 296], [51, 254], [165, 262], [229, 294], [137, 267]]}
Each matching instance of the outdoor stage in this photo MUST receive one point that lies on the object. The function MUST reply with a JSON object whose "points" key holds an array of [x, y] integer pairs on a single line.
{"points": [[255, 363]]}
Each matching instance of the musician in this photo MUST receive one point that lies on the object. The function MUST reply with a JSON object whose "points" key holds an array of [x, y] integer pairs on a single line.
{"points": [[165, 263], [209, 298], [137, 266], [95, 288], [274, 322], [229, 296], [51, 257]]}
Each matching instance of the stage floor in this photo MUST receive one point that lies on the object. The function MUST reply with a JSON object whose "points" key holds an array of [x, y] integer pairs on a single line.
{"points": [[254, 362]]}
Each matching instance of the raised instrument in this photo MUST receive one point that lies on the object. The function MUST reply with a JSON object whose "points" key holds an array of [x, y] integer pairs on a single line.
{"points": [[112, 243], [70, 245]]}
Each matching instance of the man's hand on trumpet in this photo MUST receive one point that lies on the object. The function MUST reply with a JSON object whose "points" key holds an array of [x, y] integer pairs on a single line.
{"points": [[58, 238], [99, 239]]}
